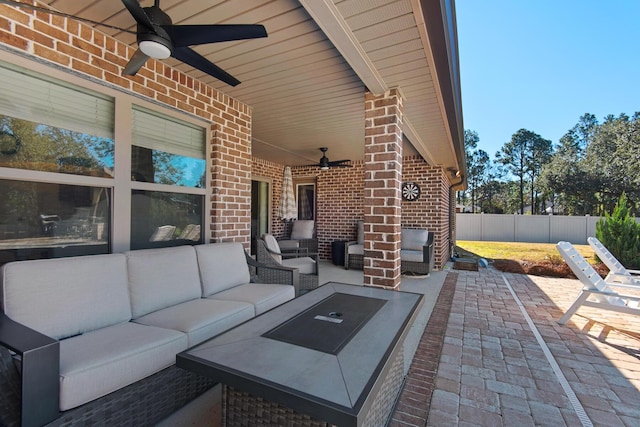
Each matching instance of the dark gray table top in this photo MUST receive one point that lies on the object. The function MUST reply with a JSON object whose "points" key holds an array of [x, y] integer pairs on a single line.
{"points": [[331, 387]]}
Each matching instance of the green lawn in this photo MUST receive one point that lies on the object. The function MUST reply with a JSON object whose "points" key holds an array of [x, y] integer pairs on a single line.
{"points": [[517, 251]]}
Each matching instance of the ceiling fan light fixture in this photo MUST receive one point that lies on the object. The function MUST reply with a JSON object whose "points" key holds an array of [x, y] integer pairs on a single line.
{"points": [[154, 49]]}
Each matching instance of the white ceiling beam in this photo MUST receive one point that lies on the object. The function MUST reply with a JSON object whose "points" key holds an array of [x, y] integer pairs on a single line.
{"points": [[328, 18]]}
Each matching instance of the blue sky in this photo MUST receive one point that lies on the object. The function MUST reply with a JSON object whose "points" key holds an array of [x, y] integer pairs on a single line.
{"points": [[541, 64]]}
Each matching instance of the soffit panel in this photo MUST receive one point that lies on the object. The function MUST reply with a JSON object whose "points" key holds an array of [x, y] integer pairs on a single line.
{"points": [[303, 93]]}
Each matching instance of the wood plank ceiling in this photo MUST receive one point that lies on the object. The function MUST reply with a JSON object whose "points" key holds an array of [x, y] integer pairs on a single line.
{"points": [[303, 89]]}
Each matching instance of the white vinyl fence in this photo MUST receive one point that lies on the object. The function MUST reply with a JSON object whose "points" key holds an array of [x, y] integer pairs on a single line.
{"points": [[525, 228]]}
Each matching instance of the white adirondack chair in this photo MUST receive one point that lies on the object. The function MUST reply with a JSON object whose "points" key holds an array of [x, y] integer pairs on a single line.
{"points": [[617, 272], [596, 292]]}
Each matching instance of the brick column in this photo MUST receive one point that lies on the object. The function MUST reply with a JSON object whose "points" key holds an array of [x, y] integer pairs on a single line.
{"points": [[382, 189], [230, 165]]}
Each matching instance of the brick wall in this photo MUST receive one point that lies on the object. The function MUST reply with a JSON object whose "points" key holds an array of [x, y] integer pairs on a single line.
{"points": [[340, 193], [431, 210], [72, 45]]}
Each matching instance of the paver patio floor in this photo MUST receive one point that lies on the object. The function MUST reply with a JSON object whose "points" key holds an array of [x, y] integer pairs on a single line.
{"points": [[491, 367]]}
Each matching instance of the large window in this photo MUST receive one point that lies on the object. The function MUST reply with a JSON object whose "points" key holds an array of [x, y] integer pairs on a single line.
{"points": [[51, 136], [170, 152], [166, 150], [67, 187], [43, 220], [165, 219], [47, 125]]}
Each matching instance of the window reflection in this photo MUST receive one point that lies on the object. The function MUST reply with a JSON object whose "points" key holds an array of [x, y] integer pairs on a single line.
{"points": [[161, 219], [43, 220], [28, 145], [148, 165]]}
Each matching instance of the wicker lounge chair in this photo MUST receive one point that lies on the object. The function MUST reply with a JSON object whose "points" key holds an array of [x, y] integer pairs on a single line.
{"points": [[302, 235], [416, 253], [268, 253]]}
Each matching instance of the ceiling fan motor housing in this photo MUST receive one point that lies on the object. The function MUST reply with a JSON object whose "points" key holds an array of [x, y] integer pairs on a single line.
{"points": [[148, 38]]}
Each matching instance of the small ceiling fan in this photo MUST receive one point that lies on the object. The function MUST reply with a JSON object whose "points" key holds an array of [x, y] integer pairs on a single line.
{"points": [[158, 38], [325, 163]]}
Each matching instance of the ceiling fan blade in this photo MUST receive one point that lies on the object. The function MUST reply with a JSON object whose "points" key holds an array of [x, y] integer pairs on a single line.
{"points": [[340, 165], [338, 162], [135, 63], [189, 35], [191, 57], [138, 13]]}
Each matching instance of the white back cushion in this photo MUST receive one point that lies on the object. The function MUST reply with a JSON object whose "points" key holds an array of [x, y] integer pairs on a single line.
{"points": [[160, 278], [63, 297], [222, 266], [302, 229], [273, 247], [414, 239]]}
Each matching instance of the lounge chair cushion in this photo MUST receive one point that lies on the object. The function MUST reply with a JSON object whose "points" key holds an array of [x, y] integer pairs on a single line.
{"points": [[306, 265], [414, 238], [411, 256], [201, 318], [263, 296], [273, 247], [222, 257], [94, 296], [356, 249], [302, 229], [360, 232], [289, 245], [100, 362], [160, 278]]}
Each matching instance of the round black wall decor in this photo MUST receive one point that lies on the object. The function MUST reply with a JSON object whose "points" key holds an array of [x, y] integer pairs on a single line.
{"points": [[410, 191]]}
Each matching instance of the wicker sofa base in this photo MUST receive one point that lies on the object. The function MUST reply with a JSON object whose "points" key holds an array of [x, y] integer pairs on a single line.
{"points": [[241, 409], [143, 403]]}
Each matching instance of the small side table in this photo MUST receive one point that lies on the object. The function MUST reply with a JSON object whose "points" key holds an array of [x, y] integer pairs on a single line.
{"points": [[337, 252]]}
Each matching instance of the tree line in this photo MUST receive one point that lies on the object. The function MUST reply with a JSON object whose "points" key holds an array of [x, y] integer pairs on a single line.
{"points": [[586, 172]]}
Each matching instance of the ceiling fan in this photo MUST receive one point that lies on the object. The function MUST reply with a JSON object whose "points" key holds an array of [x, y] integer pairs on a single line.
{"points": [[325, 163], [158, 38]]}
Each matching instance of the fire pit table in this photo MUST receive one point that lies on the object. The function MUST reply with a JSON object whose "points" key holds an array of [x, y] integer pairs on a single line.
{"points": [[333, 356]]}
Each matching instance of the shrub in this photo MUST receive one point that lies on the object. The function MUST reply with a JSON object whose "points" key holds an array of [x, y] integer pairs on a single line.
{"points": [[620, 233]]}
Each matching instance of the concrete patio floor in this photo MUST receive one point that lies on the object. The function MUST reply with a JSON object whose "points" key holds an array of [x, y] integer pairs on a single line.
{"points": [[486, 350]]}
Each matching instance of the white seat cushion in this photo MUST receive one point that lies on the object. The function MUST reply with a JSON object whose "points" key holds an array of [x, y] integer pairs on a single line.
{"points": [[305, 265], [263, 296], [100, 362], [200, 319]]}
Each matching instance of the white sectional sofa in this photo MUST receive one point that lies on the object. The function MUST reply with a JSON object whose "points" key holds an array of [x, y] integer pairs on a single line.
{"points": [[120, 318]]}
